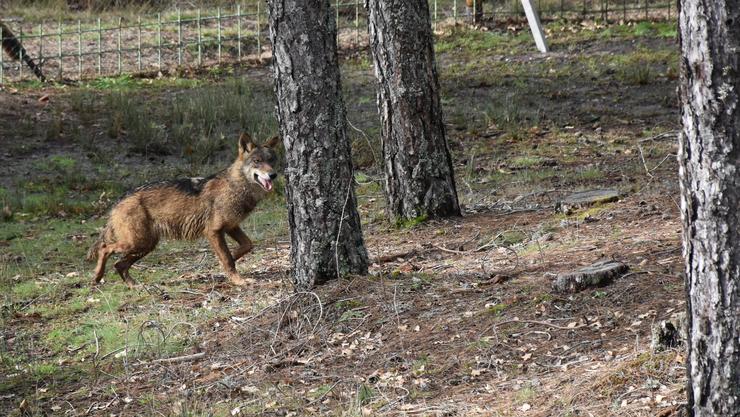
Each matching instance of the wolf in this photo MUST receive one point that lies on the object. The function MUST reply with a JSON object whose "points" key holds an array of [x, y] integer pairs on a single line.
{"points": [[15, 50], [190, 208]]}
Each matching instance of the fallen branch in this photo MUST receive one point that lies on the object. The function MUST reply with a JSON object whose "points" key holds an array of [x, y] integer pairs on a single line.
{"points": [[392, 257], [178, 359], [541, 323], [664, 135]]}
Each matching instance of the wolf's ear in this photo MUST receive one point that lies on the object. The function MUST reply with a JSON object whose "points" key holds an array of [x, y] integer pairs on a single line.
{"points": [[245, 143], [273, 142]]}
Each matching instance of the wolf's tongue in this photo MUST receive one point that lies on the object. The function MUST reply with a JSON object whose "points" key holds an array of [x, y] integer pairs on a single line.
{"points": [[266, 184]]}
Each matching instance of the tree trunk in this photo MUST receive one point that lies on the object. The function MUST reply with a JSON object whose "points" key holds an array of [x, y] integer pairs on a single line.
{"points": [[709, 156], [326, 238], [419, 179]]}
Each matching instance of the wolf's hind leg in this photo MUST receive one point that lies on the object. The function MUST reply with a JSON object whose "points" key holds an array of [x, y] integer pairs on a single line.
{"points": [[245, 245], [129, 258]]}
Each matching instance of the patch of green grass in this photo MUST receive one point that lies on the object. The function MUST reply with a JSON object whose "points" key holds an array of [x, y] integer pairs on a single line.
{"points": [[497, 309], [527, 161], [411, 223], [420, 365], [590, 174], [473, 41], [511, 237], [321, 390], [365, 394], [525, 394], [350, 315], [28, 290]]}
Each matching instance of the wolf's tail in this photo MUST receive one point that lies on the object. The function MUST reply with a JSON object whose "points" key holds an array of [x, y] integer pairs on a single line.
{"points": [[105, 237], [15, 50]]}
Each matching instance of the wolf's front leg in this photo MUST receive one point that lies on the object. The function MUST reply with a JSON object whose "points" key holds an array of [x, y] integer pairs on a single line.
{"points": [[245, 245], [218, 242]]}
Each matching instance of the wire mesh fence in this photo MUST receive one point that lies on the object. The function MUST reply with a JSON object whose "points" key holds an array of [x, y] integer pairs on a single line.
{"points": [[84, 49]]}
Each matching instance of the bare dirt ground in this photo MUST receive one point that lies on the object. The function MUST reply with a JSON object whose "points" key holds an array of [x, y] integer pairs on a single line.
{"points": [[456, 318]]}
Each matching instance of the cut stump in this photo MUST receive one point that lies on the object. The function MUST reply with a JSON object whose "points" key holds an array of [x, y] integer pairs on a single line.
{"points": [[584, 199], [595, 275]]}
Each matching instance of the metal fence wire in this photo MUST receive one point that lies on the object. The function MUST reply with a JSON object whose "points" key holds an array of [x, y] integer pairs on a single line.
{"points": [[84, 49]]}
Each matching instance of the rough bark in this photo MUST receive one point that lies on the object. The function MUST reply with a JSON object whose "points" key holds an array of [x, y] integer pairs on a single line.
{"points": [[709, 155], [419, 179], [326, 238]]}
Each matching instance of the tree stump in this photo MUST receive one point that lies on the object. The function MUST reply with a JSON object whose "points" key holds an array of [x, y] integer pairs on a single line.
{"points": [[584, 199], [598, 274]]}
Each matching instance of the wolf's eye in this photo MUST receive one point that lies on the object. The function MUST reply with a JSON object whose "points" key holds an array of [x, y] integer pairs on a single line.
{"points": [[258, 160]]}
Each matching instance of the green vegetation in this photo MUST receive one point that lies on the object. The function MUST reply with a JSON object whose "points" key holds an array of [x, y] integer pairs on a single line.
{"points": [[411, 223]]}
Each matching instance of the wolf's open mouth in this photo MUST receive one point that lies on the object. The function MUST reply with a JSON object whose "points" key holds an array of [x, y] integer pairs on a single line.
{"points": [[265, 183]]}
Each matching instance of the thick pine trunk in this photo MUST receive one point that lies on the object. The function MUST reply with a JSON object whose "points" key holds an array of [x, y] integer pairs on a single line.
{"points": [[320, 184], [419, 179], [709, 158]]}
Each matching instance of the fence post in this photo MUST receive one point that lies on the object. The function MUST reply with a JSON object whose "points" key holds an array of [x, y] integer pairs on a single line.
{"points": [[138, 44], [59, 48], [218, 24], [562, 8], [336, 9], [239, 31], [454, 12], [159, 42], [624, 11], [79, 50], [20, 59], [646, 9], [2, 62], [357, 22], [259, 34], [200, 56], [179, 38], [41, 43], [100, 49], [120, 23]]}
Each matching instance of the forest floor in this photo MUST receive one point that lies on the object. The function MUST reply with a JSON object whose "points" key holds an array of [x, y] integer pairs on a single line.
{"points": [[457, 317]]}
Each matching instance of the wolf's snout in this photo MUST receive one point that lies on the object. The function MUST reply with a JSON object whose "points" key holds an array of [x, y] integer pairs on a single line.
{"points": [[265, 180]]}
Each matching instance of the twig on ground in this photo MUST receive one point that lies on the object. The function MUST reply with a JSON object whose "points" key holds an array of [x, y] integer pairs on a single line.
{"points": [[178, 359], [664, 135], [541, 323], [321, 397], [644, 164]]}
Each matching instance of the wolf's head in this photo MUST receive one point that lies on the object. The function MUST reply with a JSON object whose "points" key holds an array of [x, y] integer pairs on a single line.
{"points": [[258, 161]]}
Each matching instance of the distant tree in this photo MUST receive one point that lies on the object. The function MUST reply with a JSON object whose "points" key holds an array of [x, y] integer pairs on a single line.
{"points": [[419, 179], [709, 155], [326, 238]]}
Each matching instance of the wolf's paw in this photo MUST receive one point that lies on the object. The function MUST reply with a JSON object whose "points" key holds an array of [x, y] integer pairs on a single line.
{"points": [[236, 279]]}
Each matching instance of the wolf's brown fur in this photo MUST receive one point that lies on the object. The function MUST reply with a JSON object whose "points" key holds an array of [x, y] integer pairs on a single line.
{"points": [[15, 50], [188, 209]]}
